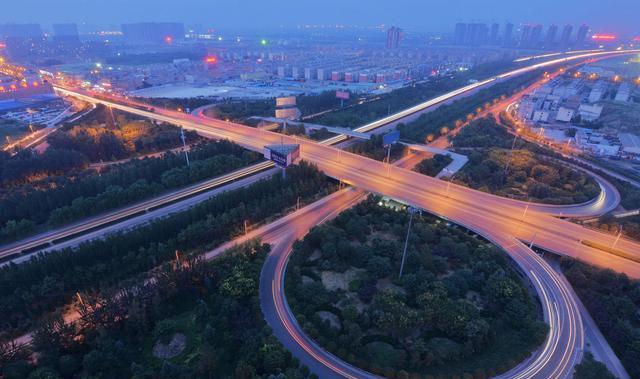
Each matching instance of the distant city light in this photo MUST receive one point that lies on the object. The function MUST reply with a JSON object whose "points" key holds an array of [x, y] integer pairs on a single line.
{"points": [[603, 37], [211, 60], [263, 42], [168, 40]]}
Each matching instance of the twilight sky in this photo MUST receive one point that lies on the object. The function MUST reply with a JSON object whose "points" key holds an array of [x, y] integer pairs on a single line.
{"points": [[619, 16]]}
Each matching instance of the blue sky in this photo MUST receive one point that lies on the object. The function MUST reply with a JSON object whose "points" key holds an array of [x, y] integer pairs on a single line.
{"points": [[427, 15]]}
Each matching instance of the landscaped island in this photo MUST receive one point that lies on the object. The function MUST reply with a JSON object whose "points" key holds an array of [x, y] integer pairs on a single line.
{"points": [[460, 306]]}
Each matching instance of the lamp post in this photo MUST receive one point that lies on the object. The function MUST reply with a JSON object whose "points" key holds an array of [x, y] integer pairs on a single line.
{"points": [[617, 238], [513, 145], [412, 211], [184, 146]]}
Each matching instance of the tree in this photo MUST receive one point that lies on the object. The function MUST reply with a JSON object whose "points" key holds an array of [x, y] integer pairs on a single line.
{"points": [[238, 284], [589, 368]]}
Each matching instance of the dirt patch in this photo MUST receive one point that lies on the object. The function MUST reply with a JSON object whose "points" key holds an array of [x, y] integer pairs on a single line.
{"points": [[339, 280], [307, 280], [475, 298], [315, 255], [385, 285], [352, 299], [333, 319], [167, 351]]}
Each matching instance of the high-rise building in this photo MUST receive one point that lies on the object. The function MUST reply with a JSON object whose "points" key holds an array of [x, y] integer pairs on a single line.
{"points": [[477, 34], [525, 37], [495, 29], [536, 36], [565, 38], [472, 34], [460, 33], [65, 36], [581, 37], [20, 31], [531, 36], [153, 32], [394, 36], [22, 40], [507, 38], [550, 40], [482, 35]]}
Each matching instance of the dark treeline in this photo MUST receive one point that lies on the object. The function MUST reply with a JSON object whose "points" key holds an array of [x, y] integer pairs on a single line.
{"points": [[375, 149], [98, 135], [589, 368], [406, 97], [528, 177], [62, 198], [527, 172], [485, 133], [27, 165], [433, 166], [430, 123], [186, 104], [101, 143], [47, 281], [612, 300], [214, 306]]}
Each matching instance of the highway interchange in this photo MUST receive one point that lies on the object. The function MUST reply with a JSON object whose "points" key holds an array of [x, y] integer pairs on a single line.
{"points": [[508, 223]]}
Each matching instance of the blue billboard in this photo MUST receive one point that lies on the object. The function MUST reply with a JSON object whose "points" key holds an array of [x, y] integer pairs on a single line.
{"points": [[391, 138]]}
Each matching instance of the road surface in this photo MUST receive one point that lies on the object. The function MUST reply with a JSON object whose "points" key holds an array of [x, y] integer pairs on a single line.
{"points": [[556, 358], [99, 225]]}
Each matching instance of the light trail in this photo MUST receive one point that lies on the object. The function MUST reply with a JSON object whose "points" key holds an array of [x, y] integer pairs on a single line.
{"points": [[493, 217]]}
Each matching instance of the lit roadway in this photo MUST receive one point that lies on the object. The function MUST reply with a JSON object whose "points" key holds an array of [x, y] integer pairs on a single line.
{"points": [[505, 223], [101, 224], [112, 221]]}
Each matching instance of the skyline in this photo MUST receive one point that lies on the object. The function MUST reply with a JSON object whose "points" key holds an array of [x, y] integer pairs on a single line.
{"points": [[412, 15]]}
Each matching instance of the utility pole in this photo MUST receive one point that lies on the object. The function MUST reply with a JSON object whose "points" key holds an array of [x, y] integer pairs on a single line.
{"points": [[526, 209], [184, 146], [388, 160], [513, 145], [411, 210], [532, 239]]}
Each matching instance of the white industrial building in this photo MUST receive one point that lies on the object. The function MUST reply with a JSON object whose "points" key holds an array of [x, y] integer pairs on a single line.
{"points": [[565, 114], [590, 112], [624, 92], [540, 116], [630, 144], [597, 92]]}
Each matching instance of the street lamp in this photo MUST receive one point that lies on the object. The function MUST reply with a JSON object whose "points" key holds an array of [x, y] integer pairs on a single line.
{"points": [[513, 145], [617, 238], [412, 211], [184, 146]]}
